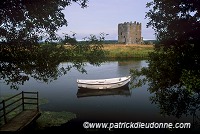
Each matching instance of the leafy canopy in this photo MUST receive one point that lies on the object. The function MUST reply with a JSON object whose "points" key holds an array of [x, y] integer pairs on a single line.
{"points": [[177, 55], [176, 22], [174, 66], [24, 24]]}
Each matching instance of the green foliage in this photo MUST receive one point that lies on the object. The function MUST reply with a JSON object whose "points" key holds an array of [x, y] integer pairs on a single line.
{"points": [[176, 60], [174, 66], [27, 22], [68, 40], [191, 80], [91, 49], [110, 42], [42, 62], [137, 79], [174, 89], [177, 102], [162, 70], [176, 23], [166, 70], [23, 24]]}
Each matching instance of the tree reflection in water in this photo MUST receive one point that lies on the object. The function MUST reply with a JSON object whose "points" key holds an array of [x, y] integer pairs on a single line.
{"points": [[24, 25], [42, 62], [178, 102], [177, 94]]}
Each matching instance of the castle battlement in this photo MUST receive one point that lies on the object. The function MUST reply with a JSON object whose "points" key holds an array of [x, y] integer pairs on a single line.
{"points": [[129, 32]]}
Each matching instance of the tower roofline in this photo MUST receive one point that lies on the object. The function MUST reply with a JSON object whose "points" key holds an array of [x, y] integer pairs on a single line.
{"points": [[135, 22]]}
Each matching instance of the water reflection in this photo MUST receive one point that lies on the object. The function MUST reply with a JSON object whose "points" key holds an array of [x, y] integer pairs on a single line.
{"points": [[122, 91], [178, 103], [47, 70], [15, 74], [136, 105]]}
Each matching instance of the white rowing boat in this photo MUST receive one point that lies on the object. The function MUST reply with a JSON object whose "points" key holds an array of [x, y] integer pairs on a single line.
{"points": [[104, 83]]}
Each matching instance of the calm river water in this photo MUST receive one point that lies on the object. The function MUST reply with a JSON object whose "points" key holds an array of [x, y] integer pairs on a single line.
{"points": [[133, 105]]}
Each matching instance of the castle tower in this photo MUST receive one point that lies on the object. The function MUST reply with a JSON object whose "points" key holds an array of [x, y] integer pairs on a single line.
{"points": [[129, 33]]}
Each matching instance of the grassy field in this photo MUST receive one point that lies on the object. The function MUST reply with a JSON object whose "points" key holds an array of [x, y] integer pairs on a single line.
{"points": [[127, 51]]}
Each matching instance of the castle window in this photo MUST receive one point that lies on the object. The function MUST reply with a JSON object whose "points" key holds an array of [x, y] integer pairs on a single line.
{"points": [[121, 33]]}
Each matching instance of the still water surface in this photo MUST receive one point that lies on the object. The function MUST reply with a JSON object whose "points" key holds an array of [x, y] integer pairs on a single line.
{"points": [[133, 105]]}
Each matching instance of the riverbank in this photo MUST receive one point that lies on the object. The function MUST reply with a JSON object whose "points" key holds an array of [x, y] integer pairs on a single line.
{"points": [[127, 51], [121, 51]]}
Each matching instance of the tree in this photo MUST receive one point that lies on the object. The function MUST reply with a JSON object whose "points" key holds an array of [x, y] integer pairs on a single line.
{"points": [[26, 23], [176, 23], [42, 63], [178, 103], [176, 59], [174, 66], [29, 21]]}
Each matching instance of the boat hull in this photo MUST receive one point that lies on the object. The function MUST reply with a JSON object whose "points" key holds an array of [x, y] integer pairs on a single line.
{"points": [[104, 83]]}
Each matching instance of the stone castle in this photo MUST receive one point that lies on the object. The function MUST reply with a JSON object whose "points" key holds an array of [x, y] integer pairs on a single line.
{"points": [[130, 33]]}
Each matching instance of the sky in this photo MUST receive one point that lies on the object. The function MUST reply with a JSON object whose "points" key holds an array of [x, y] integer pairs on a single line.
{"points": [[103, 16]]}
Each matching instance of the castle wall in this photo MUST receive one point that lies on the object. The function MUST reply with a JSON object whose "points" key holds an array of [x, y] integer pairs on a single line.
{"points": [[129, 33]]}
